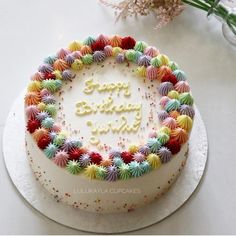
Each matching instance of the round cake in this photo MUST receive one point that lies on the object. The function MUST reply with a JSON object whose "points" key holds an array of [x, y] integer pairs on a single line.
{"points": [[107, 123]]}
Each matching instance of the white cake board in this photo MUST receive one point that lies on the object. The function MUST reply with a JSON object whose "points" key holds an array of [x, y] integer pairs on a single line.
{"points": [[24, 180]]}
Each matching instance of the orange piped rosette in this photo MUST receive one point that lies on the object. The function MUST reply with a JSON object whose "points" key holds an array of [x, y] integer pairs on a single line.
{"points": [[32, 98], [60, 65], [180, 135]]}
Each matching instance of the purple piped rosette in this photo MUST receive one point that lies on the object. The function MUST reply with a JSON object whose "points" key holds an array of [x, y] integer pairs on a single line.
{"points": [[165, 88], [52, 135], [85, 160], [148, 59], [99, 56], [68, 75], [42, 115], [145, 150], [120, 58], [162, 115], [112, 173], [70, 59], [68, 145], [48, 99], [144, 60], [76, 54], [114, 153], [45, 68], [165, 154], [187, 110]]}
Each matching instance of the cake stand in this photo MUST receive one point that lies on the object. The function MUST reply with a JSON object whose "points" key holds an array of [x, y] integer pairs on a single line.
{"points": [[24, 180]]}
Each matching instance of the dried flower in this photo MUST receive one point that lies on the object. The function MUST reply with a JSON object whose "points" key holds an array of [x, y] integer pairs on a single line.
{"points": [[164, 10]]}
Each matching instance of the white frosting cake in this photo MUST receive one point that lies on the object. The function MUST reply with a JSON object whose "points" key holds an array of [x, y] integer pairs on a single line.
{"points": [[114, 137], [98, 195]]}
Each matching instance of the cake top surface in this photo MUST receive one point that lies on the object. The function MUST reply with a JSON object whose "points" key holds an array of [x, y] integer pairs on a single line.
{"points": [[109, 107]]}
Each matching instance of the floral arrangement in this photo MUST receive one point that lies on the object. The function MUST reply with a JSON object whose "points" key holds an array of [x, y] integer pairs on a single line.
{"points": [[166, 10]]}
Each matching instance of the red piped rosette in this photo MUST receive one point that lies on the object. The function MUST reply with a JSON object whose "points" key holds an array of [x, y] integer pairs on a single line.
{"points": [[32, 125], [98, 46], [169, 78], [127, 157], [76, 153], [174, 146], [44, 141], [49, 76], [96, 158], [128, 43]]}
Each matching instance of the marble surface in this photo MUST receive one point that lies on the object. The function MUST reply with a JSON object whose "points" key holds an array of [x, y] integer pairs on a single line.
{"points": [[29, 30]]}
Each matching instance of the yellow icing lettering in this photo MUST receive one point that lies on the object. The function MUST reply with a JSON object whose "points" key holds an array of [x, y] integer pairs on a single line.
{"points": [[82, 108], [94, 140], [94, 130], [108, 106], [91, 86]]}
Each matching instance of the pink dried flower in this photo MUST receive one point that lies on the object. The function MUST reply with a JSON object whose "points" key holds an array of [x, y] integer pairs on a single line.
{"points": [[164, 10]]}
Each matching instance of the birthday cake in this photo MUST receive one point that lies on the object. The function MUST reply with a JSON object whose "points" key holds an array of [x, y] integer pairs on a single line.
{"points": [[108, 121]]}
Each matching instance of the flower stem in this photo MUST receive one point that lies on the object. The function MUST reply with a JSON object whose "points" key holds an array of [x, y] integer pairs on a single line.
{"points": [[195, 5], [213, 6]]}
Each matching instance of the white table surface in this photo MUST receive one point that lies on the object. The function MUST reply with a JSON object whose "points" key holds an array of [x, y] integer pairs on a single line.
{"points": [[30, 30]]}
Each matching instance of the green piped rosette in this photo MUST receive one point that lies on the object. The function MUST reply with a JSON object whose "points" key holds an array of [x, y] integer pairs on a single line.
{"points": [[163, 138], [87, 59], [155, 61], [50, 59], [117, 161], [73, 167], [50, 150], [186, 98], [145, 166], [173, 65], [172, 105], [135, 169], [132, 55], [180, 75], [140, 46], [101, 172], [154, 144], [48, 122], [89, 41], [124, 171], [51, 109], [59, 140], [58, 84], [77, 143], [51, 85]]}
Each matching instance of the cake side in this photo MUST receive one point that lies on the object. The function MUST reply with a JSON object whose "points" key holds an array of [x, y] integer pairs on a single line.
{"points": [[99, 195]]}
